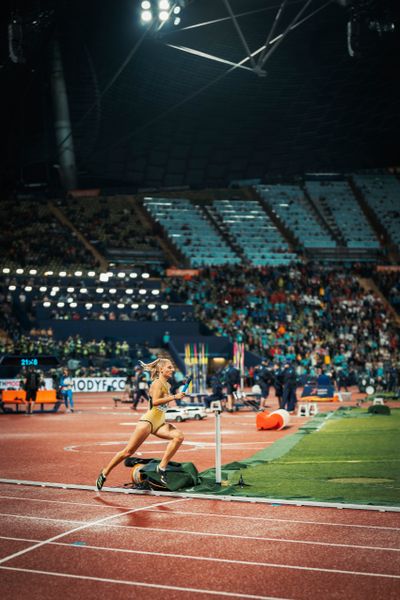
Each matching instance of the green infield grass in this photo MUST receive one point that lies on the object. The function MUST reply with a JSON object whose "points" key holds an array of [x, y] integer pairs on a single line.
{"points": [[353, 458]]}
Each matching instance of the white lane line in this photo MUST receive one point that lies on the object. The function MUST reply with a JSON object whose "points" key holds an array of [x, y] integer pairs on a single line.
{"points": [[248, 563], [201, 533], [210, 514], [145, 585], [86, 525], [25, 499], [236, 595], [275, 519]]}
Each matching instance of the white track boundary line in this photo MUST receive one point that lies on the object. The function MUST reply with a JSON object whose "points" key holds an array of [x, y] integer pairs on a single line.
{"points": [[205, 534], [83, 526], [270, 565], [248, 563], [208, 514], [252, 499], [271, 519], [142, 584]]}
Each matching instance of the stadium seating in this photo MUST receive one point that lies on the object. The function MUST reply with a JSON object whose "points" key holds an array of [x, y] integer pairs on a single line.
{"points": [[189, 230], [253, 231], [113, 224], [382, 193], [339, 207], [29, 223], [289, 204]]}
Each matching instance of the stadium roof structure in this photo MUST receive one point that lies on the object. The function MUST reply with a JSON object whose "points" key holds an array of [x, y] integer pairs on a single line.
{"points": [[239, 90]]}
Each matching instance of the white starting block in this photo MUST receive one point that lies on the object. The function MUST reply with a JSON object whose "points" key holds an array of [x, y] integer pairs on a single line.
{"points": [[307, 409], [377, 401]]}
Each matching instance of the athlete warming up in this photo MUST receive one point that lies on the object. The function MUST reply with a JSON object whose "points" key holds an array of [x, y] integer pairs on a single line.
{"points": [[153, 421]]}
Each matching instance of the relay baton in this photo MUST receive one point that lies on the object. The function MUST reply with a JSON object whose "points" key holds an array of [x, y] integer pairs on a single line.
{"points": [[188, 382]]}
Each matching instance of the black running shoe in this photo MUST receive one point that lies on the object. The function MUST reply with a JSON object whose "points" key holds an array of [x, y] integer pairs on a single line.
{"points": [[100, 480], [163, 475]]}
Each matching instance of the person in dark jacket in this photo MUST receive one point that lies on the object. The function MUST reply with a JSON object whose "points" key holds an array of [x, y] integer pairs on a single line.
{"points": [[232, 378], [289, 388], [278, 383], [217, 391], [265, 380], [31, 385]]}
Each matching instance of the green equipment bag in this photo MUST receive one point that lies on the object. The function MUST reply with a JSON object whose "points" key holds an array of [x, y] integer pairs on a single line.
{"points": [[379, 409], [144, 474]]}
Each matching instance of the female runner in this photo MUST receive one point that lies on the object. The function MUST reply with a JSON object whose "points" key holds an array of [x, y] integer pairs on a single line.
{"points": [[153, 421]]}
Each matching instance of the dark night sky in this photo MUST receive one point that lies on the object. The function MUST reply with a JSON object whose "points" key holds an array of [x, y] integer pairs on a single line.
{"points": [[317, 109]]}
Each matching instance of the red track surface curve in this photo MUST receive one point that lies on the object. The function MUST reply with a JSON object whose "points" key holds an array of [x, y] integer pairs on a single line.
{"points": [[73, 543]]}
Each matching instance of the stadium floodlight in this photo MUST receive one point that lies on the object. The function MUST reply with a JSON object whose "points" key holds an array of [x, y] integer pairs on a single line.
{"points": [[43, 289], [99, 290], [147, 16], [103, 277], [70, 290], [151, 306], [129, 291], [28, 288], [83, 291], [46, 304], [78, 273], [6, 270], [161, 12], [134, 306], [155, 292], [73, 305], [19, 271], [112, 291], [53, 293], [33, 272], [91, 274], [164, 306], [12, 288], [70, 300], [120, 306], [142, 291], [88, 305], [55, 288], [133, 275], [60, 304], [121, 275], [105, 305], [145, 275], [48, 273], [110, 274]]}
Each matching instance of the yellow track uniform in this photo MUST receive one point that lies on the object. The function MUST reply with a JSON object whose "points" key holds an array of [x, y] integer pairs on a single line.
{"points": [[156, 414]]}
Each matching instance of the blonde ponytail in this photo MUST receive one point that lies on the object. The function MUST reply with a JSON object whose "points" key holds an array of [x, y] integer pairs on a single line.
{"points": [[154, 367]]}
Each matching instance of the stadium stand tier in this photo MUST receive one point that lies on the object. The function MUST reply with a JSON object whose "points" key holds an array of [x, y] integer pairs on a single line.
{"points": [[382, 194], [113, 224], [34, 236], [291, 206], [260, 240], [191, 232], [336, 202]]}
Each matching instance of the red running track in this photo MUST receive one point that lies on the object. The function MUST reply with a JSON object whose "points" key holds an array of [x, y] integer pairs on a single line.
{"points": [[72, 543]]}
